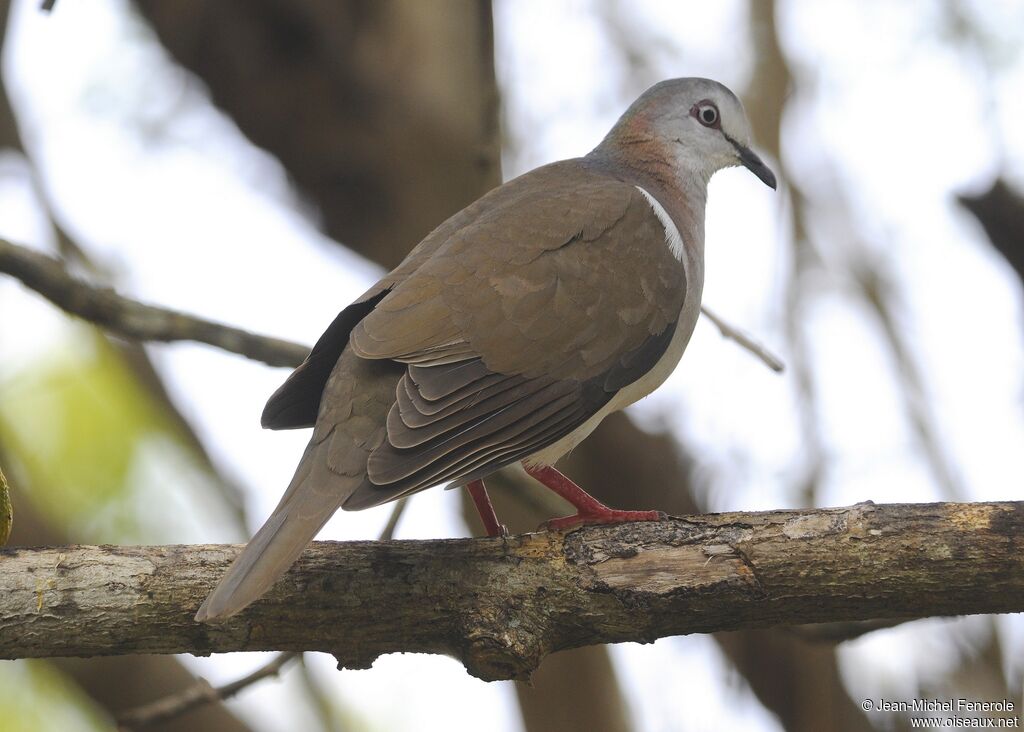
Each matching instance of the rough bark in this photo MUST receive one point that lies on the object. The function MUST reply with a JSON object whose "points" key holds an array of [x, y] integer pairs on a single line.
{"points": [[500, 605]]}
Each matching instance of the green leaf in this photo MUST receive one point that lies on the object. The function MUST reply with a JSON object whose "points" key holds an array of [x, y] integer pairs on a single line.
{"points": [[100, 456], [35, 696]]}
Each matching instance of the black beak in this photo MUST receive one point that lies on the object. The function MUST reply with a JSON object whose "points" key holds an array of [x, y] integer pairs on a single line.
{"points": [[754, 164]]}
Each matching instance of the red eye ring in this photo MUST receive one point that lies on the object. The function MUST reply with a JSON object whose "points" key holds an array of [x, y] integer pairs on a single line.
{"points": [[707, 114]]}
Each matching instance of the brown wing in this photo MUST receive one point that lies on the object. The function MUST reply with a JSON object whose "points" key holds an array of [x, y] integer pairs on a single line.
{"points": [[296, 403], [518, 329]]}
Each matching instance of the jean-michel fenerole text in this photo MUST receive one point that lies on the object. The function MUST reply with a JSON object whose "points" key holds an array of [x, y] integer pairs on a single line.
{"points": [[944, 705]]}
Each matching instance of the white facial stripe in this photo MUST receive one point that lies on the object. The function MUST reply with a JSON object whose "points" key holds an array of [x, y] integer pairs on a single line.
{"points": [[673, 238]]}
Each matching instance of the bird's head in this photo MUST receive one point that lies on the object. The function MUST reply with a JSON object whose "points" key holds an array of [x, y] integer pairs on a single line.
{"points": [[697, 125]]}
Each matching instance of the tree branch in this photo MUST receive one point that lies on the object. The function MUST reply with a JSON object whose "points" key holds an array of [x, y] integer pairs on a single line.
{"points": [[197, 695], [130, 319], [500, 605], [745, 341]]}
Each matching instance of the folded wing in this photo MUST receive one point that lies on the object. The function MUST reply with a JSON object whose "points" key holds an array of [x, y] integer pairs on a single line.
{"points": [[518, 329]]}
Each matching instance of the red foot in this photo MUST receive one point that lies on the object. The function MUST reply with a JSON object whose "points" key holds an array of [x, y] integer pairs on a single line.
{"points": [[589, 510], [482, 501], [610, 516]]}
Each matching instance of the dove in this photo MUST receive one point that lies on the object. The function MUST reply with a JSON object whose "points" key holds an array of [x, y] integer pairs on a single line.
{"points": [[509, 332]]}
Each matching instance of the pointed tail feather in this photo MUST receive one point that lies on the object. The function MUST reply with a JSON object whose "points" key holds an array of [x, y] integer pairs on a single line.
{"points": [[311, 499]]}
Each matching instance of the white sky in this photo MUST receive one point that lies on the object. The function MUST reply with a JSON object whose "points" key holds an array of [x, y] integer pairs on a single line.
{"points": [[163, 189]]}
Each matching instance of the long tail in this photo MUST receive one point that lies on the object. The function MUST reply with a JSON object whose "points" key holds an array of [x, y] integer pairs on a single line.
{"points": [[311, 499]]}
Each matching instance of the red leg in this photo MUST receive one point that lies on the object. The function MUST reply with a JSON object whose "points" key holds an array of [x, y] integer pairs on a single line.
{"points": [[478, 492], [589, 510]]}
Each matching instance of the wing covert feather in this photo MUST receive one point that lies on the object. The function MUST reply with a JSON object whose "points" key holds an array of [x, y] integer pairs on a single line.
{"points": [[556, 282]]}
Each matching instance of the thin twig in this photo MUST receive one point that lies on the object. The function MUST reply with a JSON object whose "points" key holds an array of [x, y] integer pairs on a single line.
{"points": [[388, 532], [132, 319], [323, 701], [744, 340], [197, 695]]}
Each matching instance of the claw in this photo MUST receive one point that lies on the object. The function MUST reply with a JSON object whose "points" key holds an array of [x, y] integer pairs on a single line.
{"points": [[611, 516], [589, 510]]}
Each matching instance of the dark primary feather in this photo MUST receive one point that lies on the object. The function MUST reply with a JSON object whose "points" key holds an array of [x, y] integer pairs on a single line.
{"points": [[296, 402]]}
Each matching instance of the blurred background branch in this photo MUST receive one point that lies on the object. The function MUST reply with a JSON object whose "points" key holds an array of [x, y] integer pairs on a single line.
{"points": [[200, 694], [744, 340], [130, 319]]}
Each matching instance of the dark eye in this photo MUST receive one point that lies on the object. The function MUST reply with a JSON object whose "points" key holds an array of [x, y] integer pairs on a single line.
{"points": [[707, 114]]}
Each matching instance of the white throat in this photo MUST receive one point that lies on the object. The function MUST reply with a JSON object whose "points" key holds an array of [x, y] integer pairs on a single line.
{"points": [[673, 238]]}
